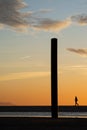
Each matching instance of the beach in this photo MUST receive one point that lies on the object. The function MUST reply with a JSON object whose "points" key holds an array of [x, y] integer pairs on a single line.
{"points": [[40, 123], [17, 121]]}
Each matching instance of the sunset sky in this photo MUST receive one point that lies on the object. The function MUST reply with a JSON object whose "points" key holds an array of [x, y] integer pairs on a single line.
{"points": [[26, 29]]}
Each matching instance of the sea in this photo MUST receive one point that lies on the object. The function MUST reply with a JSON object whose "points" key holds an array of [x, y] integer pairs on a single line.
{"points": [[44, 114]]}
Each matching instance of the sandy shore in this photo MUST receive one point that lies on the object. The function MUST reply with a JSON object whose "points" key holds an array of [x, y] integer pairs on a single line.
{"points": [[31, 123]]}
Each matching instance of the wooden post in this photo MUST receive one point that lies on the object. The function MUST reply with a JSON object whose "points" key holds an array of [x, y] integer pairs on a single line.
{"points": [[54, 106]]}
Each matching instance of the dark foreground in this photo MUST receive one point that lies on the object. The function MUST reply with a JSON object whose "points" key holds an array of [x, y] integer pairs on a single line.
{"points": [[42, 108], [31, 123]]}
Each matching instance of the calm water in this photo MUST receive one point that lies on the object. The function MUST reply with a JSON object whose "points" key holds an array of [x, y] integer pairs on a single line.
{"points": [[43, 114]]}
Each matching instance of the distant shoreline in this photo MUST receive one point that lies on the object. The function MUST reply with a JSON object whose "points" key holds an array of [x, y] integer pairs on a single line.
{"points": [[42, 108]]}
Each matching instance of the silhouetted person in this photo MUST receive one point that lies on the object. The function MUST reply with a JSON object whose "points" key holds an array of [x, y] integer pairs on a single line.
{"points": [[76, 101]]}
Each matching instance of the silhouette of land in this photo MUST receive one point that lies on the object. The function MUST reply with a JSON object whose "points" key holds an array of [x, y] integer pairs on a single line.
{"points": [[42, 108]]}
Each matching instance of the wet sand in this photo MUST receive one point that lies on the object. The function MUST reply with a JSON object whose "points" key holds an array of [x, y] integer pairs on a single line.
{"points": [[34, 123]]}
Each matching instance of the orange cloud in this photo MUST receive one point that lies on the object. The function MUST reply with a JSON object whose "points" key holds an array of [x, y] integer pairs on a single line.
{"points": [[52, 25], [11, 16]]}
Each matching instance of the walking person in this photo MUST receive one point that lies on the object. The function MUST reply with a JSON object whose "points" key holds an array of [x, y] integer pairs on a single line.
{"points": [[76, 101]]}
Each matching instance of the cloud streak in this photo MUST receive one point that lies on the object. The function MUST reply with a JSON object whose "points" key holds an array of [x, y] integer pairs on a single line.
{"points": [[52, 25], [82, 52], [81, 19], [23, 75], [11, 15], [43, 11], [26, 57]]}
